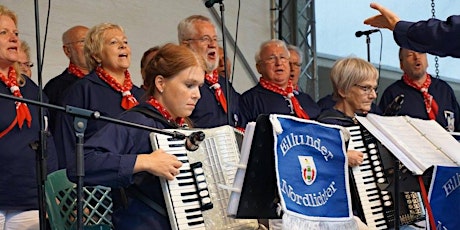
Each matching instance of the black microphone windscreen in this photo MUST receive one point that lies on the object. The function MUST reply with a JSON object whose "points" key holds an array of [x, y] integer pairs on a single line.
{"points": [[209, 3]]}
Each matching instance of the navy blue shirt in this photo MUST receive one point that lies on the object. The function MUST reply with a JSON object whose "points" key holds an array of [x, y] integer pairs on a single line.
{"points": [[90, 93], [55, 90], [414, 104], [208, 112], [432, 36], [110, 155], [18, 180], [259, 100]]}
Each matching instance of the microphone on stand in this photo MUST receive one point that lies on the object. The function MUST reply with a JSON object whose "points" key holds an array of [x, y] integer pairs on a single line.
{"points": [[394, 107], [366, 32], [193, 140], [211, 3]]}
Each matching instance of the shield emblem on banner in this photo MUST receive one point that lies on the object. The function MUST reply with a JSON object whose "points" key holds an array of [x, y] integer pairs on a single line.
{"points": [[308, 169]]}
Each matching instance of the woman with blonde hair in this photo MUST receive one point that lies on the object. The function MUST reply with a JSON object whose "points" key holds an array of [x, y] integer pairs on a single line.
{"points": [[108, 87], [19, 127]]}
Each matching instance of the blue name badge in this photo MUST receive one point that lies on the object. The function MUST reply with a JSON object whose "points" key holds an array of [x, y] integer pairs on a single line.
{"points": [[311, 168]]}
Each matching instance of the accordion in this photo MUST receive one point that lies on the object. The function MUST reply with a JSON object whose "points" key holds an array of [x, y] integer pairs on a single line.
{"points": [[375, 204], [218, 156]]}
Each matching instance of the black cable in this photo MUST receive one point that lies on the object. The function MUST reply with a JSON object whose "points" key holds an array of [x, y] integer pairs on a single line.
{"points": [[236, 39], [380, 56], [40, 146], [46, 34]]}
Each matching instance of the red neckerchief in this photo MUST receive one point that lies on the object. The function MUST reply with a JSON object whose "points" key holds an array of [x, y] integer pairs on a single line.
{"points": [[213, 80], [430, 104], [22, 111], [75, 70], [180, 120], [288, 92], [128, 101]]}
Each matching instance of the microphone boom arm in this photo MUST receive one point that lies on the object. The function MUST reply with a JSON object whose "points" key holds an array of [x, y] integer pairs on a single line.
{"points": [[85, 113]]}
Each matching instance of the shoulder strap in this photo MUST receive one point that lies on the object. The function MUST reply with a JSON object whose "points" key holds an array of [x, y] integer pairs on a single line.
{"points": [[133, 190], [152, 114], [328, 114]]}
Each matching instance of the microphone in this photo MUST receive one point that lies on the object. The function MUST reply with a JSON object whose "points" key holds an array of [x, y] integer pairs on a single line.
{"points": [[211, 3], [366, 32], [193, 140], [394, 107]]}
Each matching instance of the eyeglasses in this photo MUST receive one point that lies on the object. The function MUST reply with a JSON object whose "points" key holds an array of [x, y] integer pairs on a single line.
{"points": [[81, 41], [295, 64], [205, 39], [26, 64], [272, 59], [367, 89]]}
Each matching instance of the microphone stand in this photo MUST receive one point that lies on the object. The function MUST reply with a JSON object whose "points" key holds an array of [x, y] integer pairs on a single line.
{"points": [[40, 146], [368, 44], [224, 47], [80, 121]]}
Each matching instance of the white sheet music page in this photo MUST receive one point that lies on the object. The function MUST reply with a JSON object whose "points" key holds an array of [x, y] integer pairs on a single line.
{"points": [[411, 140]]}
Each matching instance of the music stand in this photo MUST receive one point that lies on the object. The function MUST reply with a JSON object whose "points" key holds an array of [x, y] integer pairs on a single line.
{"points": [[259, 194]]}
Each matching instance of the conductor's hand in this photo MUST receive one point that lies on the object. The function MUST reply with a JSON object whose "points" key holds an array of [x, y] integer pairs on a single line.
{"points": [[386, 18], [355, 158], [158, 163]]}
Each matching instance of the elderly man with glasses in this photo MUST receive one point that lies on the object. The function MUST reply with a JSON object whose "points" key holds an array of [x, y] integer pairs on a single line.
{"points": [[274, 94], [214, 108]]}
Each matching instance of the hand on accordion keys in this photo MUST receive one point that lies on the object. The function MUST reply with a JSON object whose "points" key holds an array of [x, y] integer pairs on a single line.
{"points": [[158, 163], [355, 158]]}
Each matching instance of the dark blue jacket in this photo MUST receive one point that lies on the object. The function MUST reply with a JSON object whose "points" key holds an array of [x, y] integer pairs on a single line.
{"points": [[110, 155], [432, 36], [55, 90], [208, 112], [259, 100], [18, 180], [414, 104], [91, 93]]}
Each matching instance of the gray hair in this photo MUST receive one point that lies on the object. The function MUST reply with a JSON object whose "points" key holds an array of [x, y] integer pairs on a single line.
{"points": [[347, 72], [186, 28], [266, 43], [297, 50]]}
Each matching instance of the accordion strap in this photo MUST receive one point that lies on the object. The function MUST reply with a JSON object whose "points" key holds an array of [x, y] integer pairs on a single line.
{"points": [[134, 192], [154, 115]]}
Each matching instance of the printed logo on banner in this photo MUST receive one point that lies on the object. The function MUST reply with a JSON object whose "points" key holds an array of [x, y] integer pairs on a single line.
{"points": [[308, 169], [311, 168]]}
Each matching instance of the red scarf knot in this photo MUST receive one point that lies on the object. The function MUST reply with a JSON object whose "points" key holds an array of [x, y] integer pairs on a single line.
{"points": [[286, 93], [128, 101], [180, 121], [75, 70], [213, 80], [22, 111], [430, 104]]}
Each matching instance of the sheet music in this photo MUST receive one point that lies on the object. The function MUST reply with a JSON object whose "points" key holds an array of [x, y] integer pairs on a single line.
{"points": [[417, 143]]}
